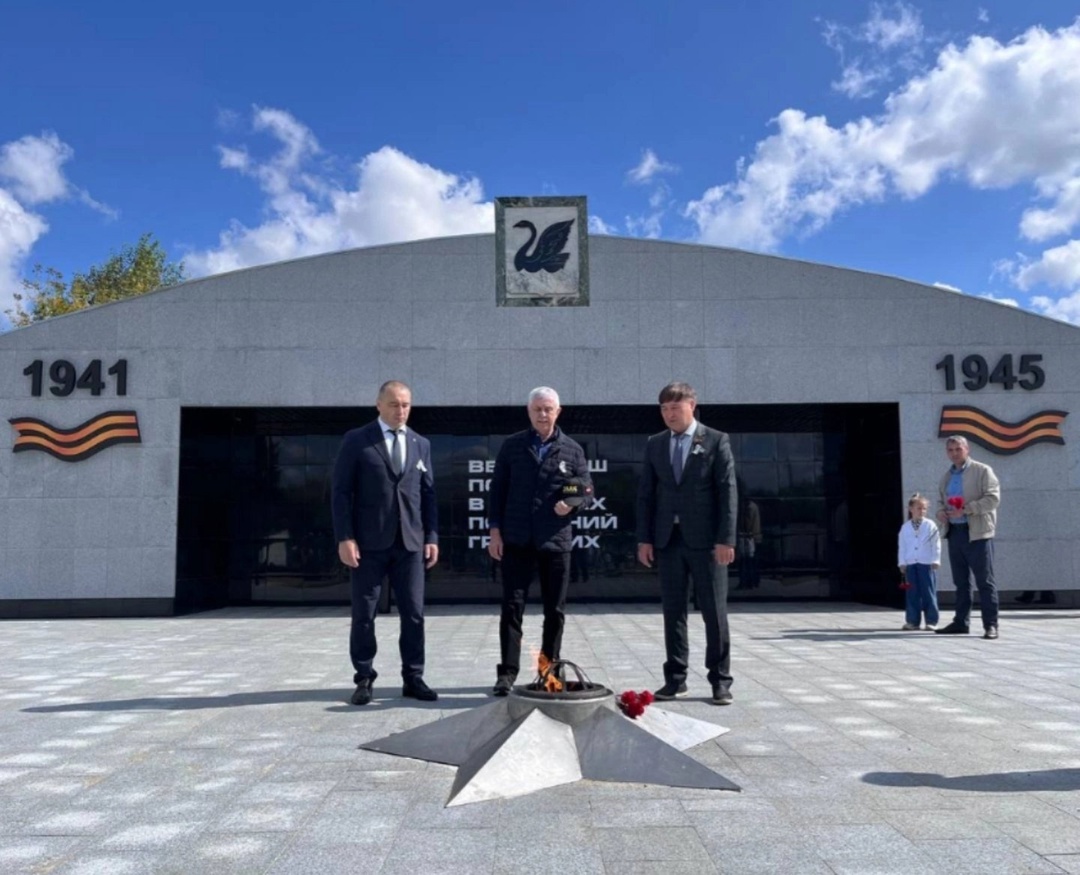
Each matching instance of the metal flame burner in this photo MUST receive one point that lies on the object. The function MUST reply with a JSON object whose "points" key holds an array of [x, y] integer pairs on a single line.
{"points": [[578, 699]]}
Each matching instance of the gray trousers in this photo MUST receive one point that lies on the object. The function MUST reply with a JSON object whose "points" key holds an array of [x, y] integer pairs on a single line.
{"points": [[970, 559], [679, 564]]}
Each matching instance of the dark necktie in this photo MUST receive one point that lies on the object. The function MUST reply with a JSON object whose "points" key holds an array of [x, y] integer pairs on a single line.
{"points": [[677, 459], [397, 457]]}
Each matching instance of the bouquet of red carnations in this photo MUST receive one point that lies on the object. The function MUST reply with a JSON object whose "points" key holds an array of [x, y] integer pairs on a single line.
{"points": [[633, 704]]}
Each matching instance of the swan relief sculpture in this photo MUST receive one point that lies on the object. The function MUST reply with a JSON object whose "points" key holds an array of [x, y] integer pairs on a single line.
{"points": [[548, 254]]}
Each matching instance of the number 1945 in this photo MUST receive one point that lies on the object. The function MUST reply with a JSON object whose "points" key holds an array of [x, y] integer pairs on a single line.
{"points": [[978, 373]]}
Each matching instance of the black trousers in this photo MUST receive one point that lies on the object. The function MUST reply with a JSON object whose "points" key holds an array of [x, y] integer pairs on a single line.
{"points": [[518, 564], [405, 571], [679, 565], [969, 559]]}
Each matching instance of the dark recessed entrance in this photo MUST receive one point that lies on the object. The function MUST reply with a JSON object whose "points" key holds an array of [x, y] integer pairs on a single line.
{"points": [[823, 481]]}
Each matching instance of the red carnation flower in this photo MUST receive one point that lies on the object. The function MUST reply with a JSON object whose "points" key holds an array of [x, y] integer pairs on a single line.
{"points": [[633, 704], [956, 501]]}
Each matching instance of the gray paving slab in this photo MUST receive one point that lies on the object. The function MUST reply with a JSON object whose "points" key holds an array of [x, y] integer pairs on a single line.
{"points": [[651, 844], [1066, 862], [981, 856], [33, 853], [223, 742]]}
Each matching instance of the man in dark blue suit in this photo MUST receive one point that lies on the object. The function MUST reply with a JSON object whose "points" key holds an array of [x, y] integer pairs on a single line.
{"points": [[540, 477], [686, 510], [385, 523]]}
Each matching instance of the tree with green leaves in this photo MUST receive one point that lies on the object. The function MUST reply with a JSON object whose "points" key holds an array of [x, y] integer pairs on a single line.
{"points": [[134, 270]]}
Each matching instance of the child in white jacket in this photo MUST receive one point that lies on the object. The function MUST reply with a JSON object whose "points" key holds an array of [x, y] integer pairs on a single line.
{"points": [[919, 557]]}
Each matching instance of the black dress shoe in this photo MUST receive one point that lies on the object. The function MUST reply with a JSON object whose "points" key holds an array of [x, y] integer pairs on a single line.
{"points": [[362, 694], [670, 690], [991, 632], [721, 696], [952, 629], [415, 688], [503, 685]]}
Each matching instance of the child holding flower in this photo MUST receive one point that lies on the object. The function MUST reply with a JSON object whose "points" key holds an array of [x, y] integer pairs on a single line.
{"points": [[919, 557]]}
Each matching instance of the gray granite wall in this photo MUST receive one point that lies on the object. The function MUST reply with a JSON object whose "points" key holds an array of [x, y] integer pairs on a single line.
{"points": [[328, 330]]}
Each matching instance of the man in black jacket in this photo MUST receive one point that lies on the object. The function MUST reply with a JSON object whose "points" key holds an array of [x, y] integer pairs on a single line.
{"points": [[686, 510], [540, 476]]}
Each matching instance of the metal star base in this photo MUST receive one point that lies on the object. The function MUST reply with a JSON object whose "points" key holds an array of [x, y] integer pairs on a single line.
{"points": [[519, 745]]}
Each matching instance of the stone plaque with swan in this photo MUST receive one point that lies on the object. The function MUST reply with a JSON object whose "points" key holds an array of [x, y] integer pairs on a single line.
{"points": [[541, 251]]}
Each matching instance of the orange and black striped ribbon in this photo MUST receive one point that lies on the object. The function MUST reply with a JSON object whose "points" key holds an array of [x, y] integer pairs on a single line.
{"points": [[80, 442], [1001, 437]]}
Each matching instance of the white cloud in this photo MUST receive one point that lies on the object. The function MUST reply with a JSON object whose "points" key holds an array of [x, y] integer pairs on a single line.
{"points": [[645, 226], [1008, 302], [19, 231], [988, 114], [885, 32], [599, 226], [234, 159], [648, 167], [32, 168], [797, 181], [392, 197], [892, 37], [1043, 224], [1058, 267], [1066, 308], [857, 82], [983, 15], [649, 170], [989, 296], [31, 175]]}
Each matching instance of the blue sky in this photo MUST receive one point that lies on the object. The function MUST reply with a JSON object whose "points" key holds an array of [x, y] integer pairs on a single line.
{"points": [[937, 141]]}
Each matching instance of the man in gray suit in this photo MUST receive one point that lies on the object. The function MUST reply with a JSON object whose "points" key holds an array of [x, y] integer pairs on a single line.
{"points": [[385, 523], [686, 510]]}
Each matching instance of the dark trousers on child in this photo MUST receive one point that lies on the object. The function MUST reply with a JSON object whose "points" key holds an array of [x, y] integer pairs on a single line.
{"points": [[922, 595]]}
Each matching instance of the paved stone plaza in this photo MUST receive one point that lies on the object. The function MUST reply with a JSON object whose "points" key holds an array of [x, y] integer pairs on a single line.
{"points": [[221, 742]]}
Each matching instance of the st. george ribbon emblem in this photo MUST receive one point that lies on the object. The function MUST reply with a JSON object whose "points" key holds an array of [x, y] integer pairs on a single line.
{"points": [[80, 442], [1004, 438]]}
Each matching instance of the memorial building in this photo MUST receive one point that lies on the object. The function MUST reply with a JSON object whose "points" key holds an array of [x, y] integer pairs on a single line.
{"points": [[172, 452]]}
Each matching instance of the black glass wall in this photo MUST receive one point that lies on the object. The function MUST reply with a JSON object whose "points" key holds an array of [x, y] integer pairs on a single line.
{"points": [[819, 508]]}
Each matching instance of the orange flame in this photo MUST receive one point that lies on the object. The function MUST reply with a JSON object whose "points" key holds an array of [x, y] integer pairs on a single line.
{"points": [[544, 667]]}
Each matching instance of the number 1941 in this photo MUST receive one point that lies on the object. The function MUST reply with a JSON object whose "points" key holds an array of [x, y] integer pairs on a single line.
{"points": [[65, 377], [978, 373]]}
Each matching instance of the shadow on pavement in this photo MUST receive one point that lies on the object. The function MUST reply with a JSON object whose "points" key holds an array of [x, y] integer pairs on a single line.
{"points": [[843, 634], [999, 782], [384, 697]]}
